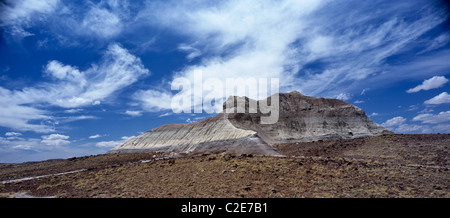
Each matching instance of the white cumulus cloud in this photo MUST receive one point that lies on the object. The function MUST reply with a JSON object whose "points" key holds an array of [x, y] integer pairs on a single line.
{"points": [[55, 140], [430, 123], [432, 83], [442, 98], [398, 124], [394, 121], [441, 117], [373, 114]]}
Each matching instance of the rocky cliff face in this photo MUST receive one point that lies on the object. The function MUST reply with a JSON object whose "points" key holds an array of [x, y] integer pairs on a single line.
{"points": [[301, 118]]}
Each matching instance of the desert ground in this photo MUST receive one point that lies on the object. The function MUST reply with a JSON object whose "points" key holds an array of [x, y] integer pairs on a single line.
{"points": [[388, 166]]}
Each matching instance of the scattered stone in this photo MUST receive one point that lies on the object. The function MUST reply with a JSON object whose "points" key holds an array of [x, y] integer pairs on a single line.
{"points": [[228, 157]]}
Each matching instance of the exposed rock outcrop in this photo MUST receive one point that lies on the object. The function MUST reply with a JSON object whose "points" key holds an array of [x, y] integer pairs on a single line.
{"points": [[301, 118], [214, 134]]}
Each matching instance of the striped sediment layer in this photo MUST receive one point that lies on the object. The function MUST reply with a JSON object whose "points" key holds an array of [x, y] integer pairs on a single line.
{"points": [[301, 119]]}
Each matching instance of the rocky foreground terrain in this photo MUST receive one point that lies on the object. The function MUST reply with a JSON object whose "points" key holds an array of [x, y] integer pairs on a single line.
{"points": [[379, 166]]}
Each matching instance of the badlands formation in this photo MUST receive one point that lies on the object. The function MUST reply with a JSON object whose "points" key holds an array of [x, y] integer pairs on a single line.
{"points": [[301, 119]]}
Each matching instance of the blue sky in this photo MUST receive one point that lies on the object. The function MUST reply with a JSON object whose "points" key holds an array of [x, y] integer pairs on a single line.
{"points": [[79, 77]]}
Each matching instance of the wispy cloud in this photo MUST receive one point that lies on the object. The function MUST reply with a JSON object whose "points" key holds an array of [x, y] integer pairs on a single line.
{"points": [[18, 15], [75, 118], [14, 134], [343, 96], [237, 38], [164, 114], [192, 51], [101, 22], [281, 39], [72, 111], [95, 136], [18, 117], [69, 88], [317, 47], [437, 43], [154, 100], [117, 69], [133, 113]]}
